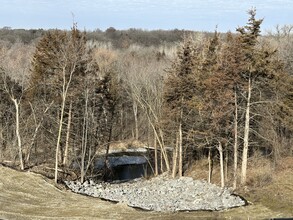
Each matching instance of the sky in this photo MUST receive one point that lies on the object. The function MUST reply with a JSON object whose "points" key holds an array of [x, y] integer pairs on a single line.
{"points": [[199, 15]]}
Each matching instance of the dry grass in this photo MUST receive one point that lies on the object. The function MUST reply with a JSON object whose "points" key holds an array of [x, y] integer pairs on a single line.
{"points": [[127, 144], [25, 195], [269, 185], [260, 172], [273, 185], [121, 146]]}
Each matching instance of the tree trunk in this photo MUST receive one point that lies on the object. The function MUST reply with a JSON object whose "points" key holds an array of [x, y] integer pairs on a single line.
{"points": [[210, 165], [2, 145], [65, 88], [235, 143], [106, 161], [163, 150], [220, 149], [175, 157], [134, 106], [246, 136], [65, 158], [165, 153], [226, 164], [59, 138], [18, 134], [32, 144], [121, 124], [84, 138], [161, 160], [180, 163], [156, 156]]}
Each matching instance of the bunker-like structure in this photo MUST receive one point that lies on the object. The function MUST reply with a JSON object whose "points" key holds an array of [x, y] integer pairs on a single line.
{"points": [[125, 167], [127, 161]]}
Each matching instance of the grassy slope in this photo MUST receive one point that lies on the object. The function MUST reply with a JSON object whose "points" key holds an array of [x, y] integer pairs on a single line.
{"points": [[25, 195], [269, 187]]}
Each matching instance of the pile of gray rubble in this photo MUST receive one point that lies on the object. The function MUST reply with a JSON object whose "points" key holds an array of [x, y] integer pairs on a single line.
{"points": [[162, 194]]}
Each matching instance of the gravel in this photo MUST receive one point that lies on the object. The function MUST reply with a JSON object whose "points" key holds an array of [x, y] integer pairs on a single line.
{"points": [[162, 194]]}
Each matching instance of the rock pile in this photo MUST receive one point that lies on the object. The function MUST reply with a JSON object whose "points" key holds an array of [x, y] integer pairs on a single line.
{"points": [[162, 194]]}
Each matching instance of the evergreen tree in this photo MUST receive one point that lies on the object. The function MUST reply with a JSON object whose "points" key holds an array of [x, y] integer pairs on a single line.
{"points": [[259, 70], [180, 90]]}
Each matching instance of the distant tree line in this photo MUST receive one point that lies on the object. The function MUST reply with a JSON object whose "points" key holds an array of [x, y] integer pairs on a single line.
{"points": [[20, 35], [117, 38]]}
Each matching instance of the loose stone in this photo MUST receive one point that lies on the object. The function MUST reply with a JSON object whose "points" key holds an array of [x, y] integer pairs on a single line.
{"points": [[162, 194]]}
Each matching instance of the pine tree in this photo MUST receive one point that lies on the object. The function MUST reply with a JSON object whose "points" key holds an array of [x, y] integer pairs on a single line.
{"points": [[180, 89], [259, 70]]}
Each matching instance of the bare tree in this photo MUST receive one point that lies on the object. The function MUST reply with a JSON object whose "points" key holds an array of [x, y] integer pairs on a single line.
{"points": [[9, 87], [144, 80], [14, 67]]}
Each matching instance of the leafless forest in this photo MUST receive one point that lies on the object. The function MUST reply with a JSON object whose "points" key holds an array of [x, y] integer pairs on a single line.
{"points": [[221, 96]]}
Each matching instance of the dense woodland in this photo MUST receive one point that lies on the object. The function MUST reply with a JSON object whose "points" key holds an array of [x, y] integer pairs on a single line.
{"points": [[220, 96]]}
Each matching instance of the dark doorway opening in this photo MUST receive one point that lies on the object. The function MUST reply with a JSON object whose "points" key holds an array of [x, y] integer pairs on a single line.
{"points": [[124, 168]]}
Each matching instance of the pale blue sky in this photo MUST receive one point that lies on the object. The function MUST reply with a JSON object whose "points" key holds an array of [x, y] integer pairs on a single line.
{"points": [[201, 15]]}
